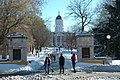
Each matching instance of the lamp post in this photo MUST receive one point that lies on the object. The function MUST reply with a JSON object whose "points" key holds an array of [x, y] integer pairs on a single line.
{"points": [[108, 50]]}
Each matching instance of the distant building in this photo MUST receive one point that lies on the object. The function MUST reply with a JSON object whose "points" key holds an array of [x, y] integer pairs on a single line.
{"points": [[59, 37]]}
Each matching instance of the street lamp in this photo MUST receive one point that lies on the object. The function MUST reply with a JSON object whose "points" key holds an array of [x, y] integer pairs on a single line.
{"points": [[108, 37]]}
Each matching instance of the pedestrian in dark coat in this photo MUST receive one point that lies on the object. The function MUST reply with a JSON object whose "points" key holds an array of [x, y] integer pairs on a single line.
{"points": [[47, 65], [61, 63], [73, 59], [54, 58]]}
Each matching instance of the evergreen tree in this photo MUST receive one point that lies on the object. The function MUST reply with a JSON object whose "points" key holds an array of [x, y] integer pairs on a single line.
{"points": [[109, 23]]}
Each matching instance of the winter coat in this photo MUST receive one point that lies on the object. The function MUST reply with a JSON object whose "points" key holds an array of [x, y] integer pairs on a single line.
{"points": [[73, 58], [47, 62], [61, 60]]}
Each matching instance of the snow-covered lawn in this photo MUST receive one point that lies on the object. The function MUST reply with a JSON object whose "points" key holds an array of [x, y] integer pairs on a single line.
{"points": [[86, 71]]}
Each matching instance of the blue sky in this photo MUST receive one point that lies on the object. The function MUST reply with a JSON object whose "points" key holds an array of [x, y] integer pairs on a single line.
{"points": [[50, 10]]}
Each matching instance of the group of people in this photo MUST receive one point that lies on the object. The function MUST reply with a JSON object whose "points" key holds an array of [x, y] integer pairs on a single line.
{"points": [[61, 63]]}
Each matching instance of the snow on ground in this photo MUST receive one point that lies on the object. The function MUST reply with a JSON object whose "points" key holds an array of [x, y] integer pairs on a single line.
{"points": [[86, 71], [8, 67]]}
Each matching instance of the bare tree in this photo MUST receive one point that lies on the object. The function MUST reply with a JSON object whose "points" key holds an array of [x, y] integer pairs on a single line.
{"points": [[80, 11], [41, 34], [14, 13], [70, 40]]}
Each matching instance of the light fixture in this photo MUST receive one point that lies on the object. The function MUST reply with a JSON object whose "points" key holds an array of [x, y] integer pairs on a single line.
{"points": [[108, 36]]}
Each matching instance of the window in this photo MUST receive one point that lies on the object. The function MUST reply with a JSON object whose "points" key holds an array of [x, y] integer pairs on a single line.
{"points": [[16, 54], [85, 52]]}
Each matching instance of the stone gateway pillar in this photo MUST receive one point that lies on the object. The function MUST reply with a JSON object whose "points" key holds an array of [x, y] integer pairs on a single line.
{"points": [[17, 47], [85, 46]]}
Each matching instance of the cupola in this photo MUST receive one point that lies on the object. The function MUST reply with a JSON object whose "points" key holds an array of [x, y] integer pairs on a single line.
{"points": [[58, 17]]}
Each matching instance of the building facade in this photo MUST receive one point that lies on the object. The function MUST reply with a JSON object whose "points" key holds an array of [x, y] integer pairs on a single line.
{"points": [[58, 35], [60, 38]]}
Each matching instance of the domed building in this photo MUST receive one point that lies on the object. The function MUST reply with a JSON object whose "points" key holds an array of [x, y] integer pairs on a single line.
{"points": [[58, 24], [58, 34], [59, 38]]}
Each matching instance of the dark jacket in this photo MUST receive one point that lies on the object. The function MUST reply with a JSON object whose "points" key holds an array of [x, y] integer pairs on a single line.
{"points": [[47, 62], [61, 60]]}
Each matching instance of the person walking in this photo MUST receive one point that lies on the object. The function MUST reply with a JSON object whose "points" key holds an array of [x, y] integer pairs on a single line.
{"points": [[73, 59], [47, 65], [61, 63], [54, 57]]}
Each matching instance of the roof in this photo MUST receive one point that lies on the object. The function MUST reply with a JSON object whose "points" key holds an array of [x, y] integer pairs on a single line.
{"points": [[82, 34], [58, 17], [17, 35]]}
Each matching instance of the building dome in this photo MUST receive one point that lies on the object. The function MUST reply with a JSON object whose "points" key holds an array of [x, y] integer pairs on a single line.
{"points": [[58, 17]]}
